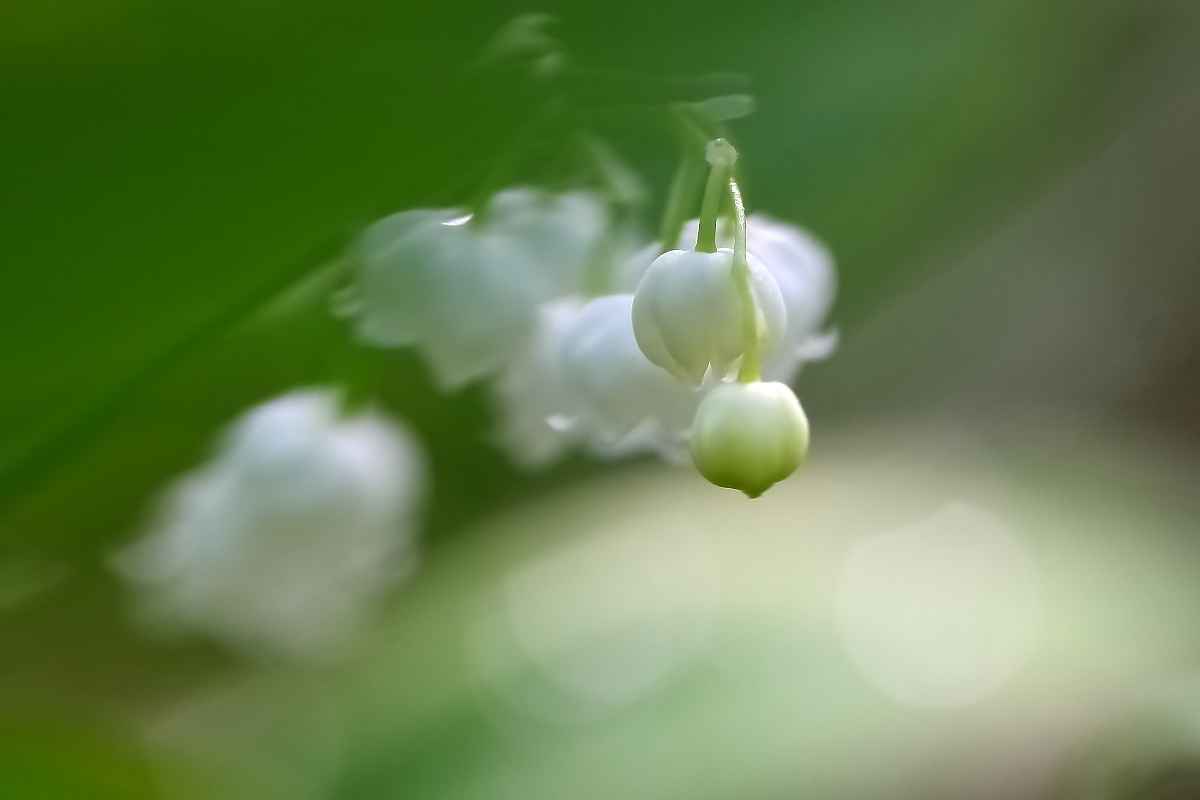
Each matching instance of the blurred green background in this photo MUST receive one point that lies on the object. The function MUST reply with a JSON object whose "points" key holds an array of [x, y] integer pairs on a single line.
{"points": [[1011, 189]]}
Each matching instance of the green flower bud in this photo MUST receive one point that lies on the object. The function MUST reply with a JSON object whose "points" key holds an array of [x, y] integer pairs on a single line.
{"points": [[749, 436]]}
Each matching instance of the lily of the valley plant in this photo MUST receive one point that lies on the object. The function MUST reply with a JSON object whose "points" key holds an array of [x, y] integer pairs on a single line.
{"points": [[590, 335]]}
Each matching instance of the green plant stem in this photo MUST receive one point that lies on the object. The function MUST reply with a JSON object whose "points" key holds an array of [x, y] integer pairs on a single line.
{"points": [[752, 322], [710, 209]]}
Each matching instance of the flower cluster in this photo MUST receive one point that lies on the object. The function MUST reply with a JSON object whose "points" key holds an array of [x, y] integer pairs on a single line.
{"points": [[588, 335], [509, 294]]}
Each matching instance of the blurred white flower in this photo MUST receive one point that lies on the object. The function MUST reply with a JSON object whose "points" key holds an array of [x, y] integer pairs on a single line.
{"points": [[583, 381], [466, 291], [688, 318], [534, 426], [807, 280], [561, 231], [619, 400], [281, 543]]}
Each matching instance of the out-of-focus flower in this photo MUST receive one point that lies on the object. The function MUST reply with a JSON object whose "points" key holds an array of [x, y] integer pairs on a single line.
{"points": [[687, 315], [583, 380], [560, 231], [534, 427], [620, 401], [281, 543], [807, 280], [466, 290], [749, 436], [461, 292]]}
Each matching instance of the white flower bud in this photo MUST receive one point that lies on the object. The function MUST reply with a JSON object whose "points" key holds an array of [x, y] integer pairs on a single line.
{"points": [[749, 436], [282, 542], [804, 270], [687, 315]]}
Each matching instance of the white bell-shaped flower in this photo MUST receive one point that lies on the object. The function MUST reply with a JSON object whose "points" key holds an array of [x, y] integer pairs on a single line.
{"points": [[462, 292], [687, 315], [807, 280], [283, 541], [621, 401], [535, 425], [466, 290], [561, 231]]}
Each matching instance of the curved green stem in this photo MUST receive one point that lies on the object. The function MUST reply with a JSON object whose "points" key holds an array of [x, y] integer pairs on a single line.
{"points": [[752, 323], [710, 210]]}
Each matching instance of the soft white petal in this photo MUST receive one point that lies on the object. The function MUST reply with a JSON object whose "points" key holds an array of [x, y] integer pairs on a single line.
{"points": [[396, 256], [785, 363]]}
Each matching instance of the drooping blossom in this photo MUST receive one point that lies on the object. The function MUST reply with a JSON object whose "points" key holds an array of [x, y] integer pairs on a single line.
{"points": [[804, 271], [466, 290], [619, 399], [281, 543], [561, 232], [687, 315], [534, 426]]}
